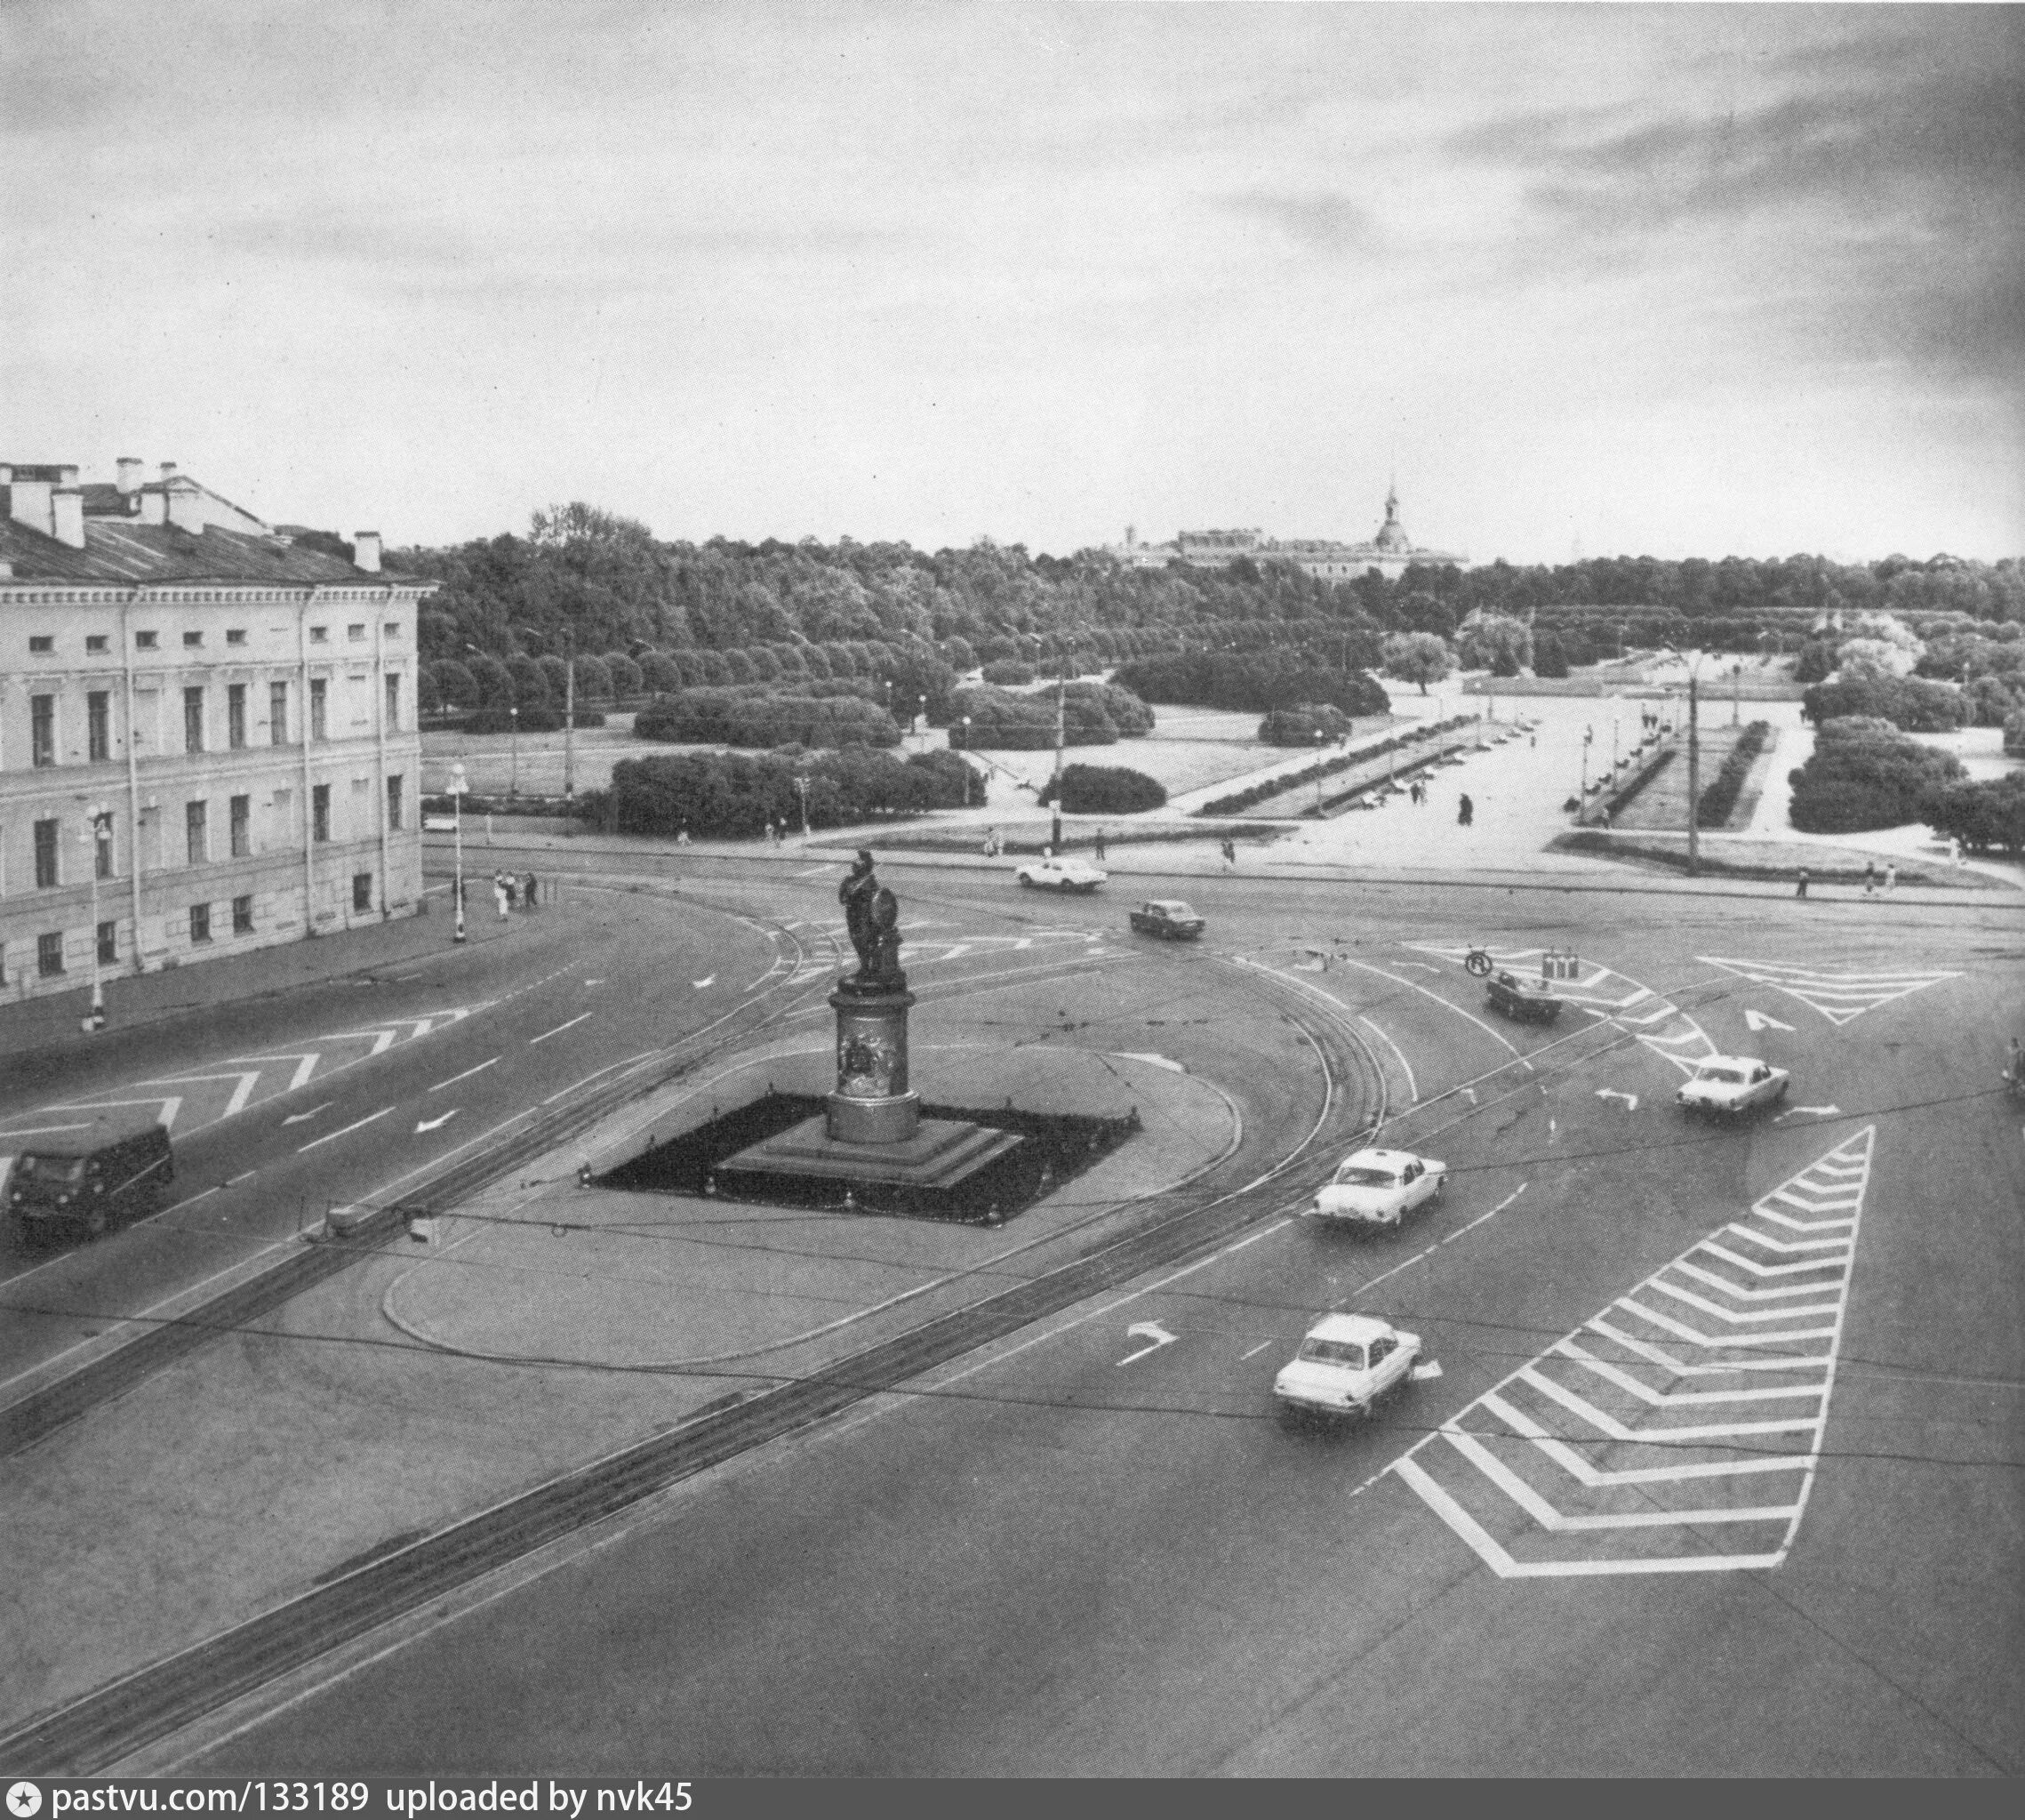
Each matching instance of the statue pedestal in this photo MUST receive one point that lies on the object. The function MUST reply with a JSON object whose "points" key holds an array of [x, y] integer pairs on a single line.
{"points": [[872, 1103]]}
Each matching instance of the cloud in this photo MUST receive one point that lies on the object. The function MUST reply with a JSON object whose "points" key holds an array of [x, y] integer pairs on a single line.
{"points": [[1319, 221]]}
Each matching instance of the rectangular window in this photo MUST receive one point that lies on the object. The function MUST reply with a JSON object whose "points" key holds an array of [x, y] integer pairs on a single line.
{"points": [[235, 716], [319, 635], [196, 831], [49, 953], [320, 812], [144, 641], [357, 634], [193, 721], [102, 843], [319, 697], [41, 643], [361, 891], [49, 869], [237, 636], [200, 922], [243, 916], [242, 827], [277, 713], [108, 943], [393, 802], [192, 640], [99, 721], [393, 704], [393, 629], [97, 643], [42, 728]]}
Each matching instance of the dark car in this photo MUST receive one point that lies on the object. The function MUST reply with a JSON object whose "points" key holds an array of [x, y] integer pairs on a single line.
{"points": [[1528, 1000], [116, 1170], [1167, 917]]}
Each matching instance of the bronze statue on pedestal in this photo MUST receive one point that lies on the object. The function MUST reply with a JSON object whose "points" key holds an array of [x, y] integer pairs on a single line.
{"points": [[871, 916]]}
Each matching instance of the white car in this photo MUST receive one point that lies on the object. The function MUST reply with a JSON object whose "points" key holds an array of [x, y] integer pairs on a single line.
{"points": [[1060, 875], [1730, 1085], [1379, 1188], [1346, 1364], [439, 824]]}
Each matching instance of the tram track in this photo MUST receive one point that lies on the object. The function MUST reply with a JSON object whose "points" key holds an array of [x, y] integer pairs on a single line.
{"points": [[112, 1723]]}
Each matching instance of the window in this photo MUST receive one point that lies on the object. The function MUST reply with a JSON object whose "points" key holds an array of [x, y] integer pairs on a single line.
{"points": [[109, 943], [393, 629], [99, 722], [243, 916], [102, 846], [320, 812], [41, 725], [49, 869], [242, 819], [196, 831], [393, 802], [192, 640], [49, 953], [361, 891], [37, 642], [319, 695], [319, 635], [277, 713], [237, 635], [200, 922], [193, 721], [393, 704], [357, 634], [235, 716], [144, 641], [97, 643]]}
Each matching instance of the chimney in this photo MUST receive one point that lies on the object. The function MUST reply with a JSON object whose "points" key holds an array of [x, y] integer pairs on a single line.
{"points": [[154, 506], [130, 466], [28, 503], [67, 516], [365, 551], [186, 500]]}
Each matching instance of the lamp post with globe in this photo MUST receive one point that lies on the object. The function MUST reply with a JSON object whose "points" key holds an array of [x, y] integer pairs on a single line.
{"points": [[97, 836], [458, 786]]}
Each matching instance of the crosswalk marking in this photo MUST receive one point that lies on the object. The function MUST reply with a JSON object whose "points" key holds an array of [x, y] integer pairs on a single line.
{"points": [[1838, 995], [1631, 1445]]}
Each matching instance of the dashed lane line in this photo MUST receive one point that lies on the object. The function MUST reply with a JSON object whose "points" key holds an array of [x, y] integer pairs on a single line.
{"points": [[467, 1075], [332, 1136], [559, 1028]]}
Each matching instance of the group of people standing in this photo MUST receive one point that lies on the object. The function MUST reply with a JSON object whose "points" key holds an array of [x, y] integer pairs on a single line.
{"points": [[511, 890]]}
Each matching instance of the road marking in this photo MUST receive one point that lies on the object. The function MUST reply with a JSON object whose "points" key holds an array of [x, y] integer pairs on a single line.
{"points": [[329, 1136], [1759, 1021], [707, 980], [1840, 995], [1412, 1087], [296, 1118], [1630, 1099], [467, 1075], [1824, 1111], [1147, 1330], [1426, 1374], [1254, 1352], [431, 1124], [43, 1131], [170, 1103], [202, 1194], [559, 1028], [593, 982], [235, 1181]]}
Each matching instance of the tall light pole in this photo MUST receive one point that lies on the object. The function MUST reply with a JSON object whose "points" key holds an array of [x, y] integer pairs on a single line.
{"points": [[922, 723], [513, 734], [1694, 662], [458, 786], [1582, 790], [1060, 725], [1736, 688], [966, 761], [1318, 771], [801, 785], [96, 833]]}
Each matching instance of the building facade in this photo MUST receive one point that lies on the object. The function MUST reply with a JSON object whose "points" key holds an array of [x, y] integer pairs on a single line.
{"points": [[1389, 550], [208, 736]]}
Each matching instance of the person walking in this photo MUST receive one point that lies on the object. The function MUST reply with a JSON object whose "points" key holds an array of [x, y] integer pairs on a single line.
{"points": [[1891, 877], [1869, 876], [528, 889], [1800, 890], [1097, 847], [1229, 855], [1954, 850], [500, 895], [1465, 812]]}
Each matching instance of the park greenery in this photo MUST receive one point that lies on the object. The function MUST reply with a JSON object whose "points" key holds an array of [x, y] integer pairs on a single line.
{"points": [[1865, 774], [1719, 797], [730, 796], [1105, 789]]}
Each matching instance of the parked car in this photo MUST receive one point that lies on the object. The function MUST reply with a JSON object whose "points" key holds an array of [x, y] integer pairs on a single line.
{"points": [[1727, 1086], [1379, 1188], [439, 824], [1530, 1001], [1346, 1364], [1168, 918], [118, 1168], [1067, 874]]}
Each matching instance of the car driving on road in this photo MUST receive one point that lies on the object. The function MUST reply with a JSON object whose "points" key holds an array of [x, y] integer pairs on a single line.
{"points": [[1168, 918], [1379, 1188], [1346, 1364], [1060, 875], [1530, 1001], [1730, 1085]]}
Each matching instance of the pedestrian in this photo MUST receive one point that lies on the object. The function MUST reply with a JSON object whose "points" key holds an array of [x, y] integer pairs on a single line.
{"points": [[511, 886], [1465, 812], [1603, 816], [1416, 790], [1891, 877], [1531, 741], [1800, 890], [1869, 876], [682, 837], [988, 839], [1097, 846], [1954, 851], [500, 895], [1229, 855], [529, 888]]}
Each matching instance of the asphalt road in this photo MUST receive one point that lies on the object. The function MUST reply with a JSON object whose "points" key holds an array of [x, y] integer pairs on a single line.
{"points": [[1074, 1554]]}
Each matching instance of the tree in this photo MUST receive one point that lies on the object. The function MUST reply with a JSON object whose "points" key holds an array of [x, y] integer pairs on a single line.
{"points": [[1550, 659], [1981, 815], [594, 679], [1418, 657], [530, 685], [493, 681], [626, 677], [455, 684], [658, 673], [1503, 647]]}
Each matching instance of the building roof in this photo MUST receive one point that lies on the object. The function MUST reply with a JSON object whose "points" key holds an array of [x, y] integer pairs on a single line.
{"points": [[125, 550]]}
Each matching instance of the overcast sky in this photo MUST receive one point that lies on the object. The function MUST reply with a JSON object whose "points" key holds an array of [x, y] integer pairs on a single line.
{"points": [[1657, 279]]}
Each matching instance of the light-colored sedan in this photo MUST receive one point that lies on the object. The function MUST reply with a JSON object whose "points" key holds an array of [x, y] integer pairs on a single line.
{"points": [[1379, 1188], [1060, 875], [1728, 1086], [1346, 1364]]}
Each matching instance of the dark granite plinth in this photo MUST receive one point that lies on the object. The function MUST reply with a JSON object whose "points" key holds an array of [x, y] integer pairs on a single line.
{"points": [[939, 1154]]}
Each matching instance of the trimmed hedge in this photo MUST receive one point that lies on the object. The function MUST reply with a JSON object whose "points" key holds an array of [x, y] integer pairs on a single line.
{"points": [[1297, 726], [1865, 774], [1981, 815], [1105, 789], [767, 717], [531, 720], [735, 795], [1242, 800], [1008, 669], [1260, 681], [1910, 704], [1721, 796]]}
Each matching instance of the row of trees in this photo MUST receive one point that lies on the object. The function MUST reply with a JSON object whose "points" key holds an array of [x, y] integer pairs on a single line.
{"points": [[737, 796]]}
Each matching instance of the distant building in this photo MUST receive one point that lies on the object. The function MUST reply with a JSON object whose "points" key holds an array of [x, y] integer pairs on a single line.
{"points": [[1390, 552], [213, 726]]}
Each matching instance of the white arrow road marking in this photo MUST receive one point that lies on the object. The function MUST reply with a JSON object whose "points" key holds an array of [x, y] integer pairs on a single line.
{"points": [[558, 1030], [328, 1136], [1825, 1112], [431, 1124], [1630, 1099], [1420, 1374], [296, 1118], [467, 1075], [708, 980], [1147, 1330], [1759, 1021], [1166, 1061]]}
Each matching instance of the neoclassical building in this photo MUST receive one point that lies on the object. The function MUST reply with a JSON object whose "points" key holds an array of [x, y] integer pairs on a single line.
{"points": [[1391, 550], [208, 738]]}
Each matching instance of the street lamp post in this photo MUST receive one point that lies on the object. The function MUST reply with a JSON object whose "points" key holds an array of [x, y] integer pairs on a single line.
{"points": [[1318, 771], [966, 761], [1693, 664], [1736, 689], [458, 786], [922, 721], [1582, 790], [1060, 724], [802, 786], [97, 831]]}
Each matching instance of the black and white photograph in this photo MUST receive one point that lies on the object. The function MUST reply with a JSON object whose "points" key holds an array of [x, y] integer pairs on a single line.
{"points": [[985, 890]]}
